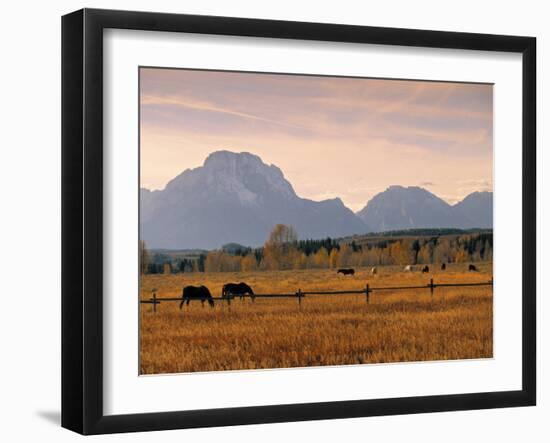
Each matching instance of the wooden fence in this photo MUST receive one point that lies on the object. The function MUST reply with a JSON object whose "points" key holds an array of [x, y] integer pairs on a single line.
{"points": [[299, 294]]}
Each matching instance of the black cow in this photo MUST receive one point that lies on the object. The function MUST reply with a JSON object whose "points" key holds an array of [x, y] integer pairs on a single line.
{"points": [[443, 266], [196, 293], [472, 268], [426, 269], [240, 289], [346, 271]]}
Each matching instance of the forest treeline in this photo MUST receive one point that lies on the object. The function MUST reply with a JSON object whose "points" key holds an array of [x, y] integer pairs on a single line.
{"points": [[283, 250]]}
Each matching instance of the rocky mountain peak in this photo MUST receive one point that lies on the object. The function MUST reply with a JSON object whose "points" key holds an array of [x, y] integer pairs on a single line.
{"points": [[236, 197], [400, 207], [242, 173]]}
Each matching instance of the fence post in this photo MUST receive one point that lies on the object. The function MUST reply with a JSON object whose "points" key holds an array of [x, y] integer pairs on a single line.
{"points": [[154, 301], [299, 294], [367, 293], [432, 287]]}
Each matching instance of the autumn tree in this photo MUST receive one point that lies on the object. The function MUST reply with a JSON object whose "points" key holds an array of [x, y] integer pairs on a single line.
{"points": [[294, 259], [248, 263], [300, 262], [220, 261], [442, 251], [344, 256], [279, 247], [487, 251], [415, 248], [372, 257], [384, 257], [143, 257], [399, 253], [425, 254], [214, 261], [461, 256], [333, 258], [321, 258]]}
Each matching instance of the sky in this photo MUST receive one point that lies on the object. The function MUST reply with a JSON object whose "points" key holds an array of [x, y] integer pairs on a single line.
{"points": [[331, 136]]}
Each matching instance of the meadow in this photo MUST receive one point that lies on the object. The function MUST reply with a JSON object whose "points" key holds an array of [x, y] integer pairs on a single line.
{"points": [[396, 326]]}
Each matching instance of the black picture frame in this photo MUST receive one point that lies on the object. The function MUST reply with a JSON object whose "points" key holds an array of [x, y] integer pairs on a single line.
{"points": [[82, 218]]}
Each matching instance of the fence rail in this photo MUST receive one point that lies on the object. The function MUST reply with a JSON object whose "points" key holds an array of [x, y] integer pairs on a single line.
{"points": [[299, 295]]}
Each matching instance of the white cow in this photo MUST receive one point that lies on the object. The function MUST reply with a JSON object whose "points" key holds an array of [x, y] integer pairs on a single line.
{"points": [[408, 268], [374, 271]]}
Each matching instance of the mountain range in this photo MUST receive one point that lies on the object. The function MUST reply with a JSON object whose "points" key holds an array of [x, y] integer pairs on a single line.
{"points": [[236, 197], [400, 207]]}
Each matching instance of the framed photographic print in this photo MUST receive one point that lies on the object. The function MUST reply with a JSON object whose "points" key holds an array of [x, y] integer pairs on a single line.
{"points": [[269, 221]]}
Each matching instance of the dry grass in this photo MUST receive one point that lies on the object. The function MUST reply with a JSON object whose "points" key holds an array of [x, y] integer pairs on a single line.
{"points": [[327, 330]]}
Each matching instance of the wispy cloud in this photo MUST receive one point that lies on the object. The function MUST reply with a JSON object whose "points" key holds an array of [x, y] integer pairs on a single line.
{"points": [[331, 137], [148, 100]]}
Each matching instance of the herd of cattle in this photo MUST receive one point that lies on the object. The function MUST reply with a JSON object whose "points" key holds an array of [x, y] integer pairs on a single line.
{"points": [[241, 289]]}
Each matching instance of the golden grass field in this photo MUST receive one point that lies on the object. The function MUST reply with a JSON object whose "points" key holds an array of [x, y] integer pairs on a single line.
{"points": [[396, 326]]}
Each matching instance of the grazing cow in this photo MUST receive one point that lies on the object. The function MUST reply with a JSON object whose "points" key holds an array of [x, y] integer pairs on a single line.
{"points": [[374, 271], [472, 268], [426, 269], [346, 271], [443, 266], [240, 289], [196, 293], [408, 268]]}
